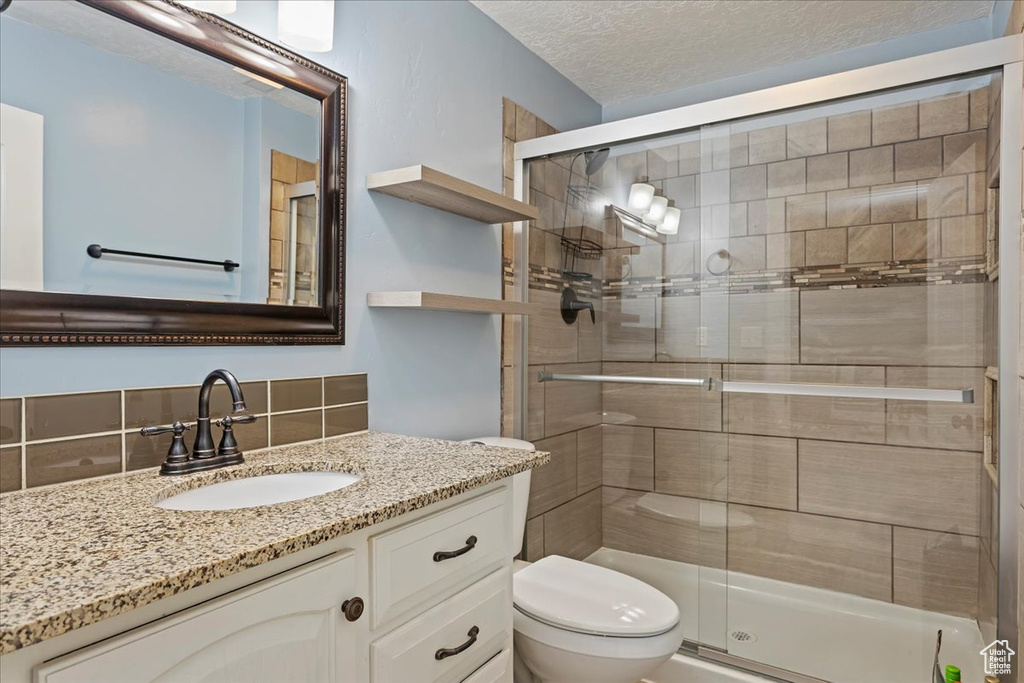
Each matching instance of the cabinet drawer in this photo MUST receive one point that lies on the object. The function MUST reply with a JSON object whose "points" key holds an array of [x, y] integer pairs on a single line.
{"points": [[406, 574], [497, 670], [409, 653]]}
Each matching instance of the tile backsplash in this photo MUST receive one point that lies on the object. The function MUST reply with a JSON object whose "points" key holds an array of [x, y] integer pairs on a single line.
{"points": [[65, 437]]}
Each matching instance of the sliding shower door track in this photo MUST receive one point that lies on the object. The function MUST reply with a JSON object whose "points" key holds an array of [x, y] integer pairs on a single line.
{"points": [[711, 654]]}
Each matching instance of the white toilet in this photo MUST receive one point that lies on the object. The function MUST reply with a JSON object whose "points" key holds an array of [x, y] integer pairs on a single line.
{"points": [[578, 622]]}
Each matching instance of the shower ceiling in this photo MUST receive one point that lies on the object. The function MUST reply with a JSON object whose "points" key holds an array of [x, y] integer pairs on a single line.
{"points": [[618, 50]]}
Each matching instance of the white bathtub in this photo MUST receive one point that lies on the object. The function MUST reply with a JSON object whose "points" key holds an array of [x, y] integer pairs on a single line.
{"points": [[829, 635]]}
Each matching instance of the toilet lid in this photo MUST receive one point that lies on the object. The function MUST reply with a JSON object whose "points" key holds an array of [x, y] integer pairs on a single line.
{"points": [[585, 598]]}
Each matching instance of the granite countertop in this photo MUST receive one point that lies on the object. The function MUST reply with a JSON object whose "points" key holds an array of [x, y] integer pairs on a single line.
{"points": [[74, 554]]}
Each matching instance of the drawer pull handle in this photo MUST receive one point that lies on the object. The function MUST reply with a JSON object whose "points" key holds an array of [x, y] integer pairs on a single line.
{"points": [[452, 651], [442, 555]]}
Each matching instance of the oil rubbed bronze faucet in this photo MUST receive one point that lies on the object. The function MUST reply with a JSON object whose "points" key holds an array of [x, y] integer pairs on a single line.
{"points": [[204, 456]]}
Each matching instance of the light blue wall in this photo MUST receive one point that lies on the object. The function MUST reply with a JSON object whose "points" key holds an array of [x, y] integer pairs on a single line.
{"points": [[426, 82], [909, 46]]}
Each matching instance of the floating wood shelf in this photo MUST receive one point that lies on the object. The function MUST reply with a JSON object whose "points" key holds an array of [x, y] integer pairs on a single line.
{"points": [[424, 185], [430, 301]]}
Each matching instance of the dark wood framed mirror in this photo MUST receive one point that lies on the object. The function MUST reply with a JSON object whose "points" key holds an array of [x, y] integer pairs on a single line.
{"points": [[151, 247]]}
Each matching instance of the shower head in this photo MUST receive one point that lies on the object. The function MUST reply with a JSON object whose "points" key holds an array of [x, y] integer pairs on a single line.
{"points": [[595, 159]]}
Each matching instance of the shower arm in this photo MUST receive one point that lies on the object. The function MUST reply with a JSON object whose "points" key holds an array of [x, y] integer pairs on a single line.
{"points": [[778, 388]]}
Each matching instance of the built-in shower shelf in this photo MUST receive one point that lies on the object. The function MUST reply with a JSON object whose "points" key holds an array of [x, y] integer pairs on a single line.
{"points": [[430, 187], [431, 301]]}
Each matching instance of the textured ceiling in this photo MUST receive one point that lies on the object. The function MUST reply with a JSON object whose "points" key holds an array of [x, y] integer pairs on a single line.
{"points": [[617, 50]]}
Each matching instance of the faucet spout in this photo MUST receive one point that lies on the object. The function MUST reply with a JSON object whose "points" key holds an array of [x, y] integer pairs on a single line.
{"points": [[203, 447]]}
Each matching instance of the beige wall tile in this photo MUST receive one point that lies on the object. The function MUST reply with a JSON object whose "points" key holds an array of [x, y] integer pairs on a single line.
{"points": [[849, 207], [573, 530], [508, 117], [296, 394], [550, 339], [919, 487], [60, 415], [931, 424], [963, 235], [915, 240], [767, 144], [849, 131], [589, 458], [944, 115], [10, 469], [526, 124], [977, 193], [689, 463], [854, 419], [628, 457], [894, 124], [660, 526], [763, 327], [739, 147], [835, 554], [345, 420], [533, 539], [663, 162], [554, 483], [296, 427], [979, 107], [590, 336], [10, 420], [964, 153], [942, 197], [871, 166], [787, 177], [661, 405], [762, 471], [805, 212], [680, 259], [828, 172], [689, 157], [55, 462], [935, 571], [919, 159], [785, 251], [535, 404], [825, 247], [630, 168], [870, 243], [766, 216], [748, 253], [629, 329], [745, 183], [807, 138], [678, 320], [714, 186], [571, 405], [682, 191], [894, 326], [894, 203]]}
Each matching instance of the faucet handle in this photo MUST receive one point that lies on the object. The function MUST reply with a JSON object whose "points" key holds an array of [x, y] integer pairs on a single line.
{"points": [[178, 452], [228, 445]]}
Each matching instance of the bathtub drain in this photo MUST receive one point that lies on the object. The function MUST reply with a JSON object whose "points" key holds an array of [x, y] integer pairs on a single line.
{"points": [[743, 637]]}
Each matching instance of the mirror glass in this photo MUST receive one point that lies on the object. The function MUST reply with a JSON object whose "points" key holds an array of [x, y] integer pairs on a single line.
{"points": [[116, 139]]}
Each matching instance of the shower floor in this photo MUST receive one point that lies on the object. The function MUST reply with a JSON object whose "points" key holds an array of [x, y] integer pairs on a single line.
{"points": [[828, 635]]}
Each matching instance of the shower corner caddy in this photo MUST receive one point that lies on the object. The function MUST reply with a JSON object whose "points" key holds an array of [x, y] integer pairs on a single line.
{"points": [[430, 187], [432, 301]]}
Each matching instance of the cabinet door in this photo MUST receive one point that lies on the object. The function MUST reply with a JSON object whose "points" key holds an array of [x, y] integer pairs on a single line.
{"points": [[286, 628]]}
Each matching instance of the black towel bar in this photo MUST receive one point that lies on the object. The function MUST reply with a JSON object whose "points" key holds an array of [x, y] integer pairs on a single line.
{"points": [[96, 251]]}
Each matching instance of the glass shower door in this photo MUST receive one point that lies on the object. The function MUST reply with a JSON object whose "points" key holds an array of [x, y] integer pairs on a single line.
{"points": [[845, 316]]}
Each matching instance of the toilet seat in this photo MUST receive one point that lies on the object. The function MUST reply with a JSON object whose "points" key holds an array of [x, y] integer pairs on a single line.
{"points": [[581, 598]]}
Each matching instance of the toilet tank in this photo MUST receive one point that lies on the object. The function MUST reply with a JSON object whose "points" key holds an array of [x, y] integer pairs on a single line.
{"points": [[520, 486]]}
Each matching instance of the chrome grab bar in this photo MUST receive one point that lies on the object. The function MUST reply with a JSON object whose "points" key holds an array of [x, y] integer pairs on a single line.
{"points": [[624, 379], [781, 388]]}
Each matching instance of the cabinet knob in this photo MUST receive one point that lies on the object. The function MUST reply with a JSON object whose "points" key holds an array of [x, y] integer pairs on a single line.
{"points": [[353, 608]]}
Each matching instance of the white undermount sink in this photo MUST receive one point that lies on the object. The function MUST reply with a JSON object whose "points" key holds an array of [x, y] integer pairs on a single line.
{"points": [[255, 491]]}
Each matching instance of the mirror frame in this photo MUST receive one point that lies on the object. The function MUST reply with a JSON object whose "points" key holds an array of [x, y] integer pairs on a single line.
{"points": [[55, 319]]}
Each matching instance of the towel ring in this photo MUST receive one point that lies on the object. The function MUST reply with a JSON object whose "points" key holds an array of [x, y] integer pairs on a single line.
{"points": [[722, 254]]}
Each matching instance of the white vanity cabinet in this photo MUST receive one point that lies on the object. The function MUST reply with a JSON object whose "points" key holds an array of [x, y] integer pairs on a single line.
{"points": [[287, 628], [436, 584]]}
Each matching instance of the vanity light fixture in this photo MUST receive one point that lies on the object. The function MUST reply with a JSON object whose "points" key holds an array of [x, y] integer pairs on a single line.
{"points": [[656, 214], [640, 197], [306, 24], [221, 7], [670, 225]]}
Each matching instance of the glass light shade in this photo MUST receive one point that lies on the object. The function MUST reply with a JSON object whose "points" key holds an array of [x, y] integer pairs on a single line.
{"points": [[221, 7], [659, 205], [306, 24], [670, 225], [640, 196]]}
